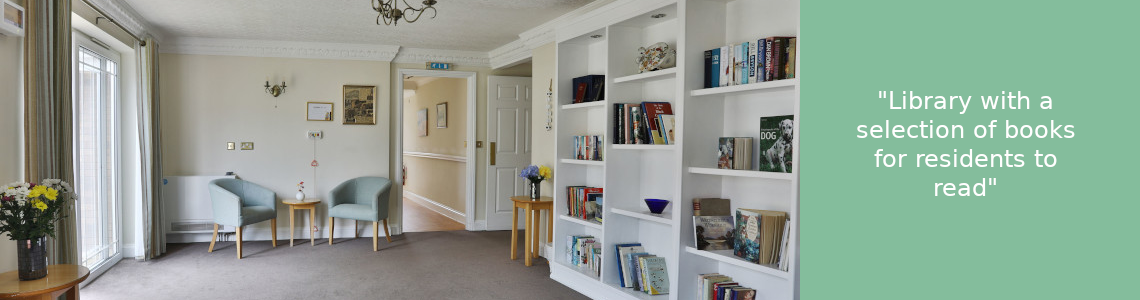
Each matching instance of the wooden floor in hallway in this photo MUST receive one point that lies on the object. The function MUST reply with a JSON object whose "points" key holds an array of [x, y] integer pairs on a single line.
{"points": [[418, 218]]}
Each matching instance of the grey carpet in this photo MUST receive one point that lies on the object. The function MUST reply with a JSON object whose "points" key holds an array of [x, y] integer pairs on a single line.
{"points": [[425, 265]]}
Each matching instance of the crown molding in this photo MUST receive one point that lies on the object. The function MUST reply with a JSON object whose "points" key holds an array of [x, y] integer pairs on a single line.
{"points": [[261, 48], [422, 55], [125, 16], [518, 51]]}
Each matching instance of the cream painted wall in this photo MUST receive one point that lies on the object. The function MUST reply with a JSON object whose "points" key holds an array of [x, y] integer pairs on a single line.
{"points": [[481, 74], [210, 100], [442, 181], [543, 70], [11, 129]]}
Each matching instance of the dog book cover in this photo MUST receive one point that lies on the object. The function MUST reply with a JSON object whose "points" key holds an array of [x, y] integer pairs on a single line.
{"points": [[776, 137]]}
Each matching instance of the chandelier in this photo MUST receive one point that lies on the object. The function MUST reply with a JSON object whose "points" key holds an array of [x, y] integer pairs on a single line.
{"points": [[390, 12]]}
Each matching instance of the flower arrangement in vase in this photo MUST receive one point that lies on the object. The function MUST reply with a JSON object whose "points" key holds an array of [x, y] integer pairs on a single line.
{"points": [[536, 174], [301, 191], [28, 213]]}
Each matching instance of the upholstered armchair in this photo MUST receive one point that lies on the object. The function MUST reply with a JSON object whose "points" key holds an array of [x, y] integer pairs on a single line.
{"points": [[238, 203], [361, 199]]}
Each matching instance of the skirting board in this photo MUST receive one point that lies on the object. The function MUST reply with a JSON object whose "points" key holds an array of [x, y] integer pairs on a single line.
{"points": [[437, 207], [300, 234]]}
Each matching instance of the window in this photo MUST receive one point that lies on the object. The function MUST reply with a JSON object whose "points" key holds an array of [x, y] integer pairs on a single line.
{"points": [[96, 122]]}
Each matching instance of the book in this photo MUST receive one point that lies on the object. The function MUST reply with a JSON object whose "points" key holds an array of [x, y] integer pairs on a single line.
{"points": [[776, 142], [708, 83], [597, 87], [707, 283], [747, 244], [724, 153], [713, 232], [759, 234], [624, 272], [618, 133], [635, 267], [712, 207], [752, 66], [790, 66], [743, 293], [579, 87], [725, 66], [668, 125], [637, 125], [769, 75], [714, 69], [737, 64], [656, 275], [652, 110], [718, 288], [745, 68], [761, 61]]}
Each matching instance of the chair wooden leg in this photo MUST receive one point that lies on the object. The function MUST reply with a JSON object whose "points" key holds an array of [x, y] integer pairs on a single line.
{"points": [[273, 228], [386, 234], [215, 238], [375, 234], [239, 242], [331, 225]]}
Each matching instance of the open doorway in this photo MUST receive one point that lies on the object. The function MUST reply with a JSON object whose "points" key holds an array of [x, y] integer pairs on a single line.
{"points": [[437, 187]]}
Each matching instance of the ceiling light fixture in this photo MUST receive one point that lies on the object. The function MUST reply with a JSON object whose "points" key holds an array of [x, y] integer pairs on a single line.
{"points": [[390, 12]]}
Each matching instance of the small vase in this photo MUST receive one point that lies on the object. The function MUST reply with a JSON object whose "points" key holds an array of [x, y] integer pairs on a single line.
{"points": [[32, 256], [300, 196], [535, 190]]}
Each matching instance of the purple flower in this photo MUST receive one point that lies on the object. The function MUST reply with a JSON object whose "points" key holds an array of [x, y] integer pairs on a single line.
{"points": [[529, 172]]}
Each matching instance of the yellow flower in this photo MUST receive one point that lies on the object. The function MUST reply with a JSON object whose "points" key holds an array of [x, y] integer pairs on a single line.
{"points": [[39, 204], [545, 172], [51, 194], [37, 191]]}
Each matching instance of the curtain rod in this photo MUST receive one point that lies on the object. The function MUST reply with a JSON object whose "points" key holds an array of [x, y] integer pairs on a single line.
{"points": [[108, 17]]}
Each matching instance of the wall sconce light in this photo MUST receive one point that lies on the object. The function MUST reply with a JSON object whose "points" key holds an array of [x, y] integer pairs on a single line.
{"points": [[275, 90]]}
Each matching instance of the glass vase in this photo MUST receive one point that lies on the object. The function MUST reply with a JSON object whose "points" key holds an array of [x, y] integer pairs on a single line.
{"points": [[535, 190], [32, 258]]}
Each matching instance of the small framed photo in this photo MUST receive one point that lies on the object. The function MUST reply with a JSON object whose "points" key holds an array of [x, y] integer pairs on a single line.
{"points": [[421, 121], [319, 111], [359, 105], [246, 145], [441, 115]]}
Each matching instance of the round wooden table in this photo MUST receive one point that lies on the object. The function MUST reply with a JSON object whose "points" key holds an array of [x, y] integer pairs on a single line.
{"points": [[61, 279], [311, 205], [533, 210]]}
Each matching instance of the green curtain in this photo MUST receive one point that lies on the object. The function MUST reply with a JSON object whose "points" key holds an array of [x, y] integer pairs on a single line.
{"points": [[150, 152], [47, 109]]}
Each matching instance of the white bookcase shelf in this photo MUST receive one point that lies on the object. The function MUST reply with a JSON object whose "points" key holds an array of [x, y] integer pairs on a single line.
{"points": [[742, 173], [663, 218], [669, 73], [726, 256], [605, 42]]}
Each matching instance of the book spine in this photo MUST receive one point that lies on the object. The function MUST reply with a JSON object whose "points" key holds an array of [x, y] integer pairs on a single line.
{"points": [[697, 207], [725, 66], [769, 75], [752, 67], [708, 69], [714, 73], [791, 65], [617, 124], [745, 67], [738, 64], [780, 57], [761, 63]]}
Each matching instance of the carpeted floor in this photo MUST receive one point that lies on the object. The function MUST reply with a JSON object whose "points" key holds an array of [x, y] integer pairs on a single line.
{"points": [[424, 265]]}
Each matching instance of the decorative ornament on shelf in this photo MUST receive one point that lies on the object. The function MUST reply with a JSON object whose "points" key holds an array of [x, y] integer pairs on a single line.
{"points": [[536, 174], [28, 214], [301, 191], [658, 56], [390, 12]]}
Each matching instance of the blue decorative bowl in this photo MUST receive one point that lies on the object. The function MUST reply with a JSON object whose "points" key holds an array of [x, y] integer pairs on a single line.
{"points": [[656, 205]]}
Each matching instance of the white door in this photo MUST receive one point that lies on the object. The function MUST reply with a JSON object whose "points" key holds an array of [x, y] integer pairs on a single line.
{"points": [[508, 142]]}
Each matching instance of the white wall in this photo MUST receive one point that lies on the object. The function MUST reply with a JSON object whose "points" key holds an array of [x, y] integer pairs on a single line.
{"points": [[11, 129], [543, 64], [209, 100]]}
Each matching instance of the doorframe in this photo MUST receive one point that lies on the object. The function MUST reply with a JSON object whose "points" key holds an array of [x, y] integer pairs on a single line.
{"points": [[469, 209]]}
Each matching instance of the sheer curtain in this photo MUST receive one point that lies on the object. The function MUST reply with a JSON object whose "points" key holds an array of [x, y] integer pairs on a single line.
{"points": [[48, 109], [150, 152]]}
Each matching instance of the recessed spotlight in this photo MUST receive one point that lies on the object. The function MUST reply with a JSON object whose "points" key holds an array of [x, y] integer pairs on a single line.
{"points": [[596, 36], [657, 16]]}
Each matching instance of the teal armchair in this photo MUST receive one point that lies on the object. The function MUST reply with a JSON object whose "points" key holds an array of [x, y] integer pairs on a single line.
{"points": [[361, 199], [238, 203]]}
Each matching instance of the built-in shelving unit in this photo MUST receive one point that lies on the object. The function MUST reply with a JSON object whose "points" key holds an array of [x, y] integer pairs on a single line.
{"points": [[607, 45]]}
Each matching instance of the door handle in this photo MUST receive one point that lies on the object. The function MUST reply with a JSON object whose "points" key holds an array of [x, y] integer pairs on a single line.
{"points": [[492, 153]]}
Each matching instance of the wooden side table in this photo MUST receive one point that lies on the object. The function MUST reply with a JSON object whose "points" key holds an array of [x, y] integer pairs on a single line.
{"points": [[61, 279], [311, 205], [531, 208]]}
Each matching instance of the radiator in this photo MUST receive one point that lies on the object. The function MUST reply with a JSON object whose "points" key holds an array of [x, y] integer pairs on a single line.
{"points": [[188, 205]]}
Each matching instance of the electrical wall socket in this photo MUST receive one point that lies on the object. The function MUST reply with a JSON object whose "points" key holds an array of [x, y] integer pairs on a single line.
{"points": [[316, 134]]}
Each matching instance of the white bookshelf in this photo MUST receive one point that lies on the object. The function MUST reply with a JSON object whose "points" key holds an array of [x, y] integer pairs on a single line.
{"points": [[606, 44]]}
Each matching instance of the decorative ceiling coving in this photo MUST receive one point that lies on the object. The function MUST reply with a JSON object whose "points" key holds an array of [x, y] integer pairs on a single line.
{"points": [[470, 25]]}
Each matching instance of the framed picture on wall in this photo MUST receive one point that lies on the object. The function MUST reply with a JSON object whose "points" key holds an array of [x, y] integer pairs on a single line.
{"points": [[441, 115], [421, 121], [319, 111], [359, 105]]}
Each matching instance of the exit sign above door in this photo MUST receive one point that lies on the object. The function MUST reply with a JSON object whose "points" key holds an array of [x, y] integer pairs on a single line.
{"points": [[438, 66]]}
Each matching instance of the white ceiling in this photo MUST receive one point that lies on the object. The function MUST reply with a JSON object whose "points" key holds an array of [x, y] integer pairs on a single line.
{"points": [[470, 25]]}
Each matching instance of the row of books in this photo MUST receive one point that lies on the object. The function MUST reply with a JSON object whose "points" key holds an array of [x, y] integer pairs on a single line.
{"points": [[585, 252], [734, 153], [588, 147], [642, 271], [766, 59], [713, 227], [588, 88], [644, 123], [758, 236], [584, 203], [715, 286]]}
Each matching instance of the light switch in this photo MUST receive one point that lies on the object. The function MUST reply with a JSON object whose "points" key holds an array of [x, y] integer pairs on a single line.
{"points": [[316, 134]]}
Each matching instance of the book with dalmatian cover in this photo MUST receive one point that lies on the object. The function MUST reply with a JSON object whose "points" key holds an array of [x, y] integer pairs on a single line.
{"points": [[775, 143]]}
